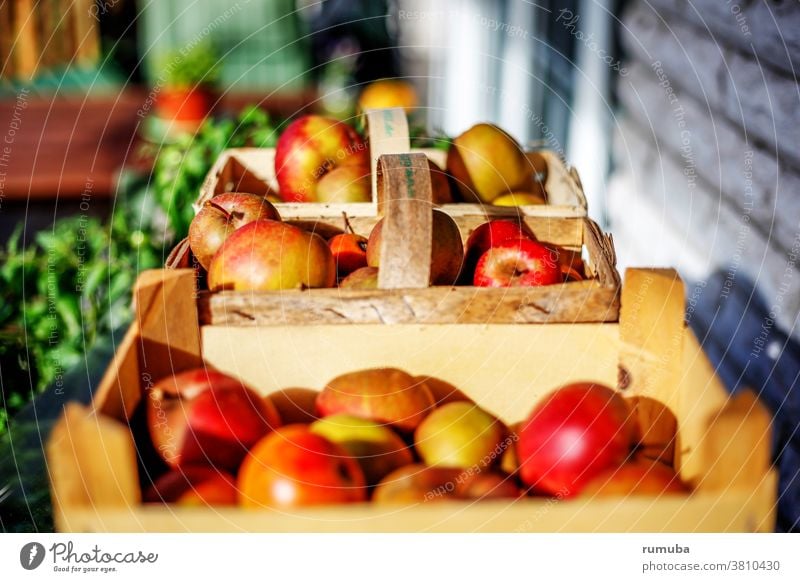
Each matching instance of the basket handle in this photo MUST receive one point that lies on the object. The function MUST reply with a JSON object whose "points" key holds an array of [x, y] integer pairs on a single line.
{"points": [[404, 199], [387, 132]]}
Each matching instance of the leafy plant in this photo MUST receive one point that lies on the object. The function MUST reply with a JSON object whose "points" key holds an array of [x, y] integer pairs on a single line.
{"points": [[182, 166], [61, 293], [185, 69]]}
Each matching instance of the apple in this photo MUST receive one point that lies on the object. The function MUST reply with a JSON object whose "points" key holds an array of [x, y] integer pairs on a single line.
{"points": [[572, 435], [460, 435], [220, 216], [384, 395], [206, 417], [417, 484], [520, 199], [486, 236], [349, 252], [266, 255], [295, 405], [193, 486], [636, 477], [388, 93], [293, 467], [517, 263], [308, 149], [486, 485], [443, 392], [509, 463], [441, 193], [363, 278], [486, 162], [376, 447], [345, 184], [447, 252]]}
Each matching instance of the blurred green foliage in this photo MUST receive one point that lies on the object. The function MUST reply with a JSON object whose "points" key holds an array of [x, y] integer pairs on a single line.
{"points": [[72, 284], [182, 166], [186, 69]]}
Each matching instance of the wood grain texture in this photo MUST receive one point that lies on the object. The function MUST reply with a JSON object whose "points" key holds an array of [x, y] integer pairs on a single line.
{"points": [[92, 463], [579, 302], [723, 446], [404, 200]]}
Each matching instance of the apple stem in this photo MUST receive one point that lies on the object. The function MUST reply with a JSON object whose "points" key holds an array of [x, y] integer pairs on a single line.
{"points": [[220, 208], [347, 226]]}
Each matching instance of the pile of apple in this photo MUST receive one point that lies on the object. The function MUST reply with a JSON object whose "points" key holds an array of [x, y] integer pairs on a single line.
{"points": [[389, 437], [318, 159], [240, 240]]}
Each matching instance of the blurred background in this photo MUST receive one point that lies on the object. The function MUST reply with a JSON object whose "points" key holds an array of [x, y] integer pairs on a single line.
{"points": [[681, 117]]}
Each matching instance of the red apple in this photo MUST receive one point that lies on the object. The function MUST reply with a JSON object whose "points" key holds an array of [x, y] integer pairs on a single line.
{"points": [[417, 484], [489, 234], [205, 417], [349, 252], [295, 405], [636, 477], [363, 278], [220, 216], [447, 252], [193, 486], [572, 435], [266, 255], [384, 395], [486, 485], [517, 263], [294, 467], [308, 149], [377, 448]]}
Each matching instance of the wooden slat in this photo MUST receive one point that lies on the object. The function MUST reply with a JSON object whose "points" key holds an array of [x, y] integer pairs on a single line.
{"points": [[26, 41], [253, 170], [87, 32], [733, 512], [6, 40], [577, 302], [92, 464]]}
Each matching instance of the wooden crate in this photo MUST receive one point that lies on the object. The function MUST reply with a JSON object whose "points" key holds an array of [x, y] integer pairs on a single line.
{"points": [[403, 296], [253, 170], [722, 445]]}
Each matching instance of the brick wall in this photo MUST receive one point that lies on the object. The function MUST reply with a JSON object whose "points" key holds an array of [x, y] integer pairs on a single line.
{"points": [[707, 145]]}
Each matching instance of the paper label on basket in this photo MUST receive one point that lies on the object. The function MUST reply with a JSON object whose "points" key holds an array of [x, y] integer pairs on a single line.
{"points": [[387, 130]]}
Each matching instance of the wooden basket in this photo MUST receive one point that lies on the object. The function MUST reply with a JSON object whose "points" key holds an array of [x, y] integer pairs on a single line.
{"points": [[403, 296], [253, 170], [720, 445]]}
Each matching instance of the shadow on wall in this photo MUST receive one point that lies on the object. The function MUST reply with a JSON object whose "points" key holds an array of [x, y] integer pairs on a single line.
{"points": [[739, 335]]}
